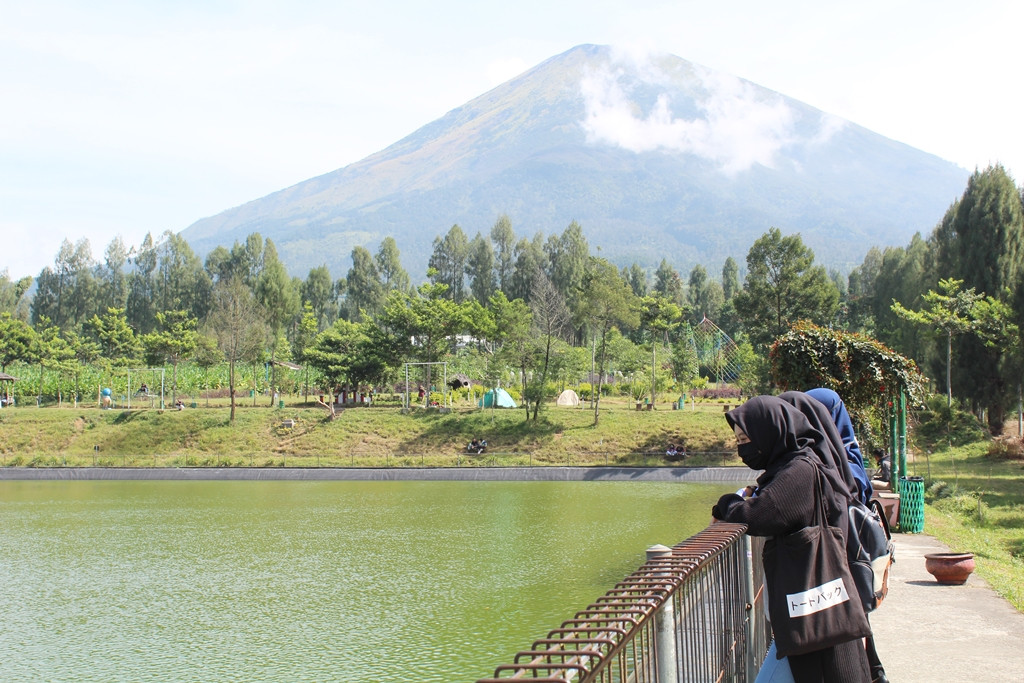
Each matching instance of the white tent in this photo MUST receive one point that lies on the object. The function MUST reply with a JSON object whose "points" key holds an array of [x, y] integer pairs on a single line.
{"points": [[568, 398]]}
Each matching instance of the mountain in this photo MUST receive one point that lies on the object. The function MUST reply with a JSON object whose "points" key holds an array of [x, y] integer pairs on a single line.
{"points": [[655, 157]]}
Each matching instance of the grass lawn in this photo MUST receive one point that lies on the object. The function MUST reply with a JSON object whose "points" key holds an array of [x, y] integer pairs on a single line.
{"points": [[980, 509], [360, 436]]}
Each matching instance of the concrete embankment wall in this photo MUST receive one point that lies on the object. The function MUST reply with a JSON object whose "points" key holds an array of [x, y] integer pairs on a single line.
{"points": [[739, 475]]}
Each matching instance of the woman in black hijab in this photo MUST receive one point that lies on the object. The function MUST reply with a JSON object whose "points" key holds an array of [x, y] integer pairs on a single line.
{"points": [[771, 435], [830, 451]]}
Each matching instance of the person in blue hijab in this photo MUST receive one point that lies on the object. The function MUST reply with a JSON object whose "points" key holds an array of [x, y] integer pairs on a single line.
{"points": [[841, 418]]}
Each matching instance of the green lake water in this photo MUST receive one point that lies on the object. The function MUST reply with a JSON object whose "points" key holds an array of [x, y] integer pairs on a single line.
{"points": [[311, 581]]}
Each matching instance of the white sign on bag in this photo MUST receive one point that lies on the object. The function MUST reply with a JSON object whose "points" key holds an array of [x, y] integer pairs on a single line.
{"points": [[817, 599]]}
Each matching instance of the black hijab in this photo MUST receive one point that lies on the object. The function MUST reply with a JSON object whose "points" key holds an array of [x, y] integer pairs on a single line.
{"points": [[830, 451], [777, 432]]}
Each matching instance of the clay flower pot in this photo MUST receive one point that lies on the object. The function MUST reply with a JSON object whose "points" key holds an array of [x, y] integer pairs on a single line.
{"points": [[950, 568]]}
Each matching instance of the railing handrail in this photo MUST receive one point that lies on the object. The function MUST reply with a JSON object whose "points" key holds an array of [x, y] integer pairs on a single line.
{"points": [[593, 645]]}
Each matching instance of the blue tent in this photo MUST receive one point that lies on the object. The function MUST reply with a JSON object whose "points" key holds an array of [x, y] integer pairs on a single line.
{"points": [[499, 395]]}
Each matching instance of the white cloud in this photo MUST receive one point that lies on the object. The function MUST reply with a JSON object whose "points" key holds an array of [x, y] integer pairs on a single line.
{"points": [[740, 125]]}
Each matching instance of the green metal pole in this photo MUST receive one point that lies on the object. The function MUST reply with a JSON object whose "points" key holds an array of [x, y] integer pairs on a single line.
{"points": [[903, 433], [894, 450]]}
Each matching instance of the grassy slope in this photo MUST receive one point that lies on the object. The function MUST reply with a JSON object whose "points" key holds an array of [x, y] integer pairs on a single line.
{"points": [[359, 436]]}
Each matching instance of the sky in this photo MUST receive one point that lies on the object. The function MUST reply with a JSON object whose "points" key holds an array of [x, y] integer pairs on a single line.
{"points": [[134, 117]]}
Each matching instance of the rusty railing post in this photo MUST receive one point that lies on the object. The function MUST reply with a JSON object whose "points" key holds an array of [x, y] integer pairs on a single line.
{"points": [[665, 628], [747, 560]]}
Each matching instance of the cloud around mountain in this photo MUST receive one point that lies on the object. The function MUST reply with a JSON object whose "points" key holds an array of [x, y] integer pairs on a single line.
{"points": [[691, 164], [737, 124]]}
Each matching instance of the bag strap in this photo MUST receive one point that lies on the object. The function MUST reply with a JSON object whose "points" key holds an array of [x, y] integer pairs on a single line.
{"points": [[820, 513], [877, 508]]}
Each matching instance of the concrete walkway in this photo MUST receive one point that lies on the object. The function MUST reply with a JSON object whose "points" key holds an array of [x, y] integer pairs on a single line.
{"points": [[926, 631]]}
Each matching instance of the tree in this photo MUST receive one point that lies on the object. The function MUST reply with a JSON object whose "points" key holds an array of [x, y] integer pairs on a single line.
{"points": [[218, 265], [16, 341], [336, 352], [705, 296], [950, 312], [389, 267], [113, 281], [238, 326], [503, 237], [861, 291], [530, 257], [276, 293], [174, 340], [480, 269], [685, 360], [514, 337], [66, 293], [449, 263], [551, 319], [246, 260], [207, 355], [904, 276], [567, 256], [637, 280], [11, 293], [668, 283], [55, 354], [980, 241], [318, 292], [730, 279], [658, 316], [140, 307], [607, 301], [365, 293], [180, 282], [305, 335], [782, 287], [115, 336], [429, 318]]}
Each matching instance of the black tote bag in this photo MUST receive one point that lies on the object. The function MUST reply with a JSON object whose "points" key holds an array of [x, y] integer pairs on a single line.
{"points": [[812, 599]]}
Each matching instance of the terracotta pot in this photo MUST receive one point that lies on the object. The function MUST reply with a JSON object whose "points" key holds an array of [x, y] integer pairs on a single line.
{"points": [[950, 568]]}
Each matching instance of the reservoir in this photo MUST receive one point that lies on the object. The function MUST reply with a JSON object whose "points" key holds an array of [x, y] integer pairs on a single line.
{"points": [[177, 581]]}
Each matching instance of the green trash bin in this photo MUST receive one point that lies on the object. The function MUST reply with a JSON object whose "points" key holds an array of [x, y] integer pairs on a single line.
{"points": [[911, 505], [280, 404]]}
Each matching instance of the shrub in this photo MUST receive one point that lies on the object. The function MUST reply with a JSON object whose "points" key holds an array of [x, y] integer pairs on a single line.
{"points": [[967, 505], [937, 491], [1006, 448], [717, 393], [942, 425]]}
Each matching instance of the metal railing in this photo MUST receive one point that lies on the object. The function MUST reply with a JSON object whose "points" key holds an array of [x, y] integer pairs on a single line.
{"points": [[691, 613]]}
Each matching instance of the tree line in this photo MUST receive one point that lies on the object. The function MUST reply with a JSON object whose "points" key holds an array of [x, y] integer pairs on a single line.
{"points": [[538, 309]]}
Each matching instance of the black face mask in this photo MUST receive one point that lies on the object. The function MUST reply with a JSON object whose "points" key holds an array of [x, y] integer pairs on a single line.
{"points": [[750, 456]]}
